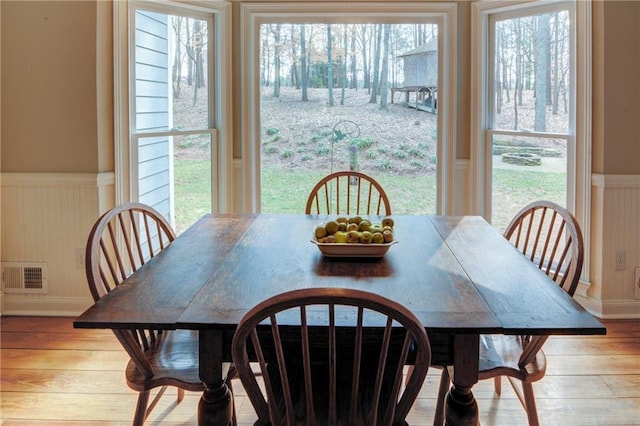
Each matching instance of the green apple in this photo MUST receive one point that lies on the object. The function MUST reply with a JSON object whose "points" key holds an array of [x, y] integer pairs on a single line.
{"points": [[341, 237], [355, 219], [376, 227], [366, 237], [353, 227], [320, 232], [353, 237], [330, 239], [331, 227], [377, 238], [364, 225]]}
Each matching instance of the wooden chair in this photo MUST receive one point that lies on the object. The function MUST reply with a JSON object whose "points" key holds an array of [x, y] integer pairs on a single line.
{"points": [[349, 193], [550, 237], [338, 374], [120, 242]]}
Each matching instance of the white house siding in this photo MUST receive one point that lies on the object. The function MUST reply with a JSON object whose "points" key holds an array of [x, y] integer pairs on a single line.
{"points": [[152, 91]]}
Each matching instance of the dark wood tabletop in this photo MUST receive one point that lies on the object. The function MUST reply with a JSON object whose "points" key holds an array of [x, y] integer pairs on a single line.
{"points": [[457, 274]]}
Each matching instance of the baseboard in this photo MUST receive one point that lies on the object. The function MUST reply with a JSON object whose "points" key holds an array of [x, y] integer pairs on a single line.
{"points": [[610, 309], [44, 306]]}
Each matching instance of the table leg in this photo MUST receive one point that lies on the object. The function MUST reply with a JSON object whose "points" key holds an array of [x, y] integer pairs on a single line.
{"points": [[461, 406], [216, 405]]}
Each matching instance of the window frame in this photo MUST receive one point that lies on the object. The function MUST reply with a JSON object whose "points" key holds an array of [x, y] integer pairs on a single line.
{"points": [[221, 95], [579, 160], [252, 15]]}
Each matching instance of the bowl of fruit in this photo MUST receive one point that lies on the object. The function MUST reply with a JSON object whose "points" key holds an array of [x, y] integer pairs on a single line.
{"points": [[355, 236]]}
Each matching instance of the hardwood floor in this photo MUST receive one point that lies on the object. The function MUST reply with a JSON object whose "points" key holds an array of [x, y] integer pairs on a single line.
{"points": [[54, 374]]}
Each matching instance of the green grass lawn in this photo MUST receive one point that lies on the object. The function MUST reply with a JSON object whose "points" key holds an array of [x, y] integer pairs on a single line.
{"points": [[285, 191]]}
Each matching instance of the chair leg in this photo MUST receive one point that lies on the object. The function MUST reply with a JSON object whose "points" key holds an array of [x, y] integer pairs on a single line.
{"points": [[141, 408], [530, 404], [497, 385], [409, 373], [234, 417], [445, 384], [180, 395]]}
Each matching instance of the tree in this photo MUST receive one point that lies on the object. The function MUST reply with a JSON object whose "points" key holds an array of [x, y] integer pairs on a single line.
{"points": [[376, 64], [354, 62], [330, 64], [276, 60], [541, 71], [304, 71], [266, 55], [343, 65], [384, 72], [363, 41], [196, 37], [176, 68], [295, 73]]}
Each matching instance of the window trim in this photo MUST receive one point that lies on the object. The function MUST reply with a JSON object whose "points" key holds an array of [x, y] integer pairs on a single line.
{"points": [[221, 197], [254, 14], [580, 168]]}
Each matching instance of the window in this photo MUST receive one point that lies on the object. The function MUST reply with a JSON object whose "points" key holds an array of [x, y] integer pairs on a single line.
{"points": [[530, 115], [303, 118], [172, 143]]}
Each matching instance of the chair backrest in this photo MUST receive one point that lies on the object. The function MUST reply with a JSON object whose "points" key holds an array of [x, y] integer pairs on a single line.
{"points": [[550, 237], [350, 193], [331, 356], [120, 242]]}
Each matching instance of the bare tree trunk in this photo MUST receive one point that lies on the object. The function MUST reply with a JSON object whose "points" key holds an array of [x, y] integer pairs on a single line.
{"points": [[353, 83], [376, 65], [176, 70], [517, 93], [541, 72], [295, 72], [190, 54], [498, 82], [557, 64], [196, 63], [276, 60], [266, 58], [303, 63], [384, 72], [362, 31], [329, 65], [343, 67]]}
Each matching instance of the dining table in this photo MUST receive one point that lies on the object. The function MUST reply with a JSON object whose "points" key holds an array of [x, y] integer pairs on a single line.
{"points": [[457, 274]]}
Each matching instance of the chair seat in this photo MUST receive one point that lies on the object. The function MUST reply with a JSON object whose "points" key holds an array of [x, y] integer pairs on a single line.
{"points": [[174, 358], [499, 356]]}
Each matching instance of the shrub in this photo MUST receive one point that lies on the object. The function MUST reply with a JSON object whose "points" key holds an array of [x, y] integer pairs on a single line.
{"points": [[270, 149], [383, 164], [399, 154], [362, 143], [288, 153], [323, 151], [417, 152], [272, 131]]}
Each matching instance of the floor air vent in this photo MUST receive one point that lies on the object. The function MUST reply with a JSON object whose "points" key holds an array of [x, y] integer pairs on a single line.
{"points": [[24, 277]]}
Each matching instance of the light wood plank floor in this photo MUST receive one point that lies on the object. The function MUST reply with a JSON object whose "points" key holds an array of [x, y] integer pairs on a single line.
{"points": [[54, 374]]}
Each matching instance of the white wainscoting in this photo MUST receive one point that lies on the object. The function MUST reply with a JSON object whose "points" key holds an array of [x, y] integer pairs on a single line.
{"points": [[615, 219], [46, 217]]}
